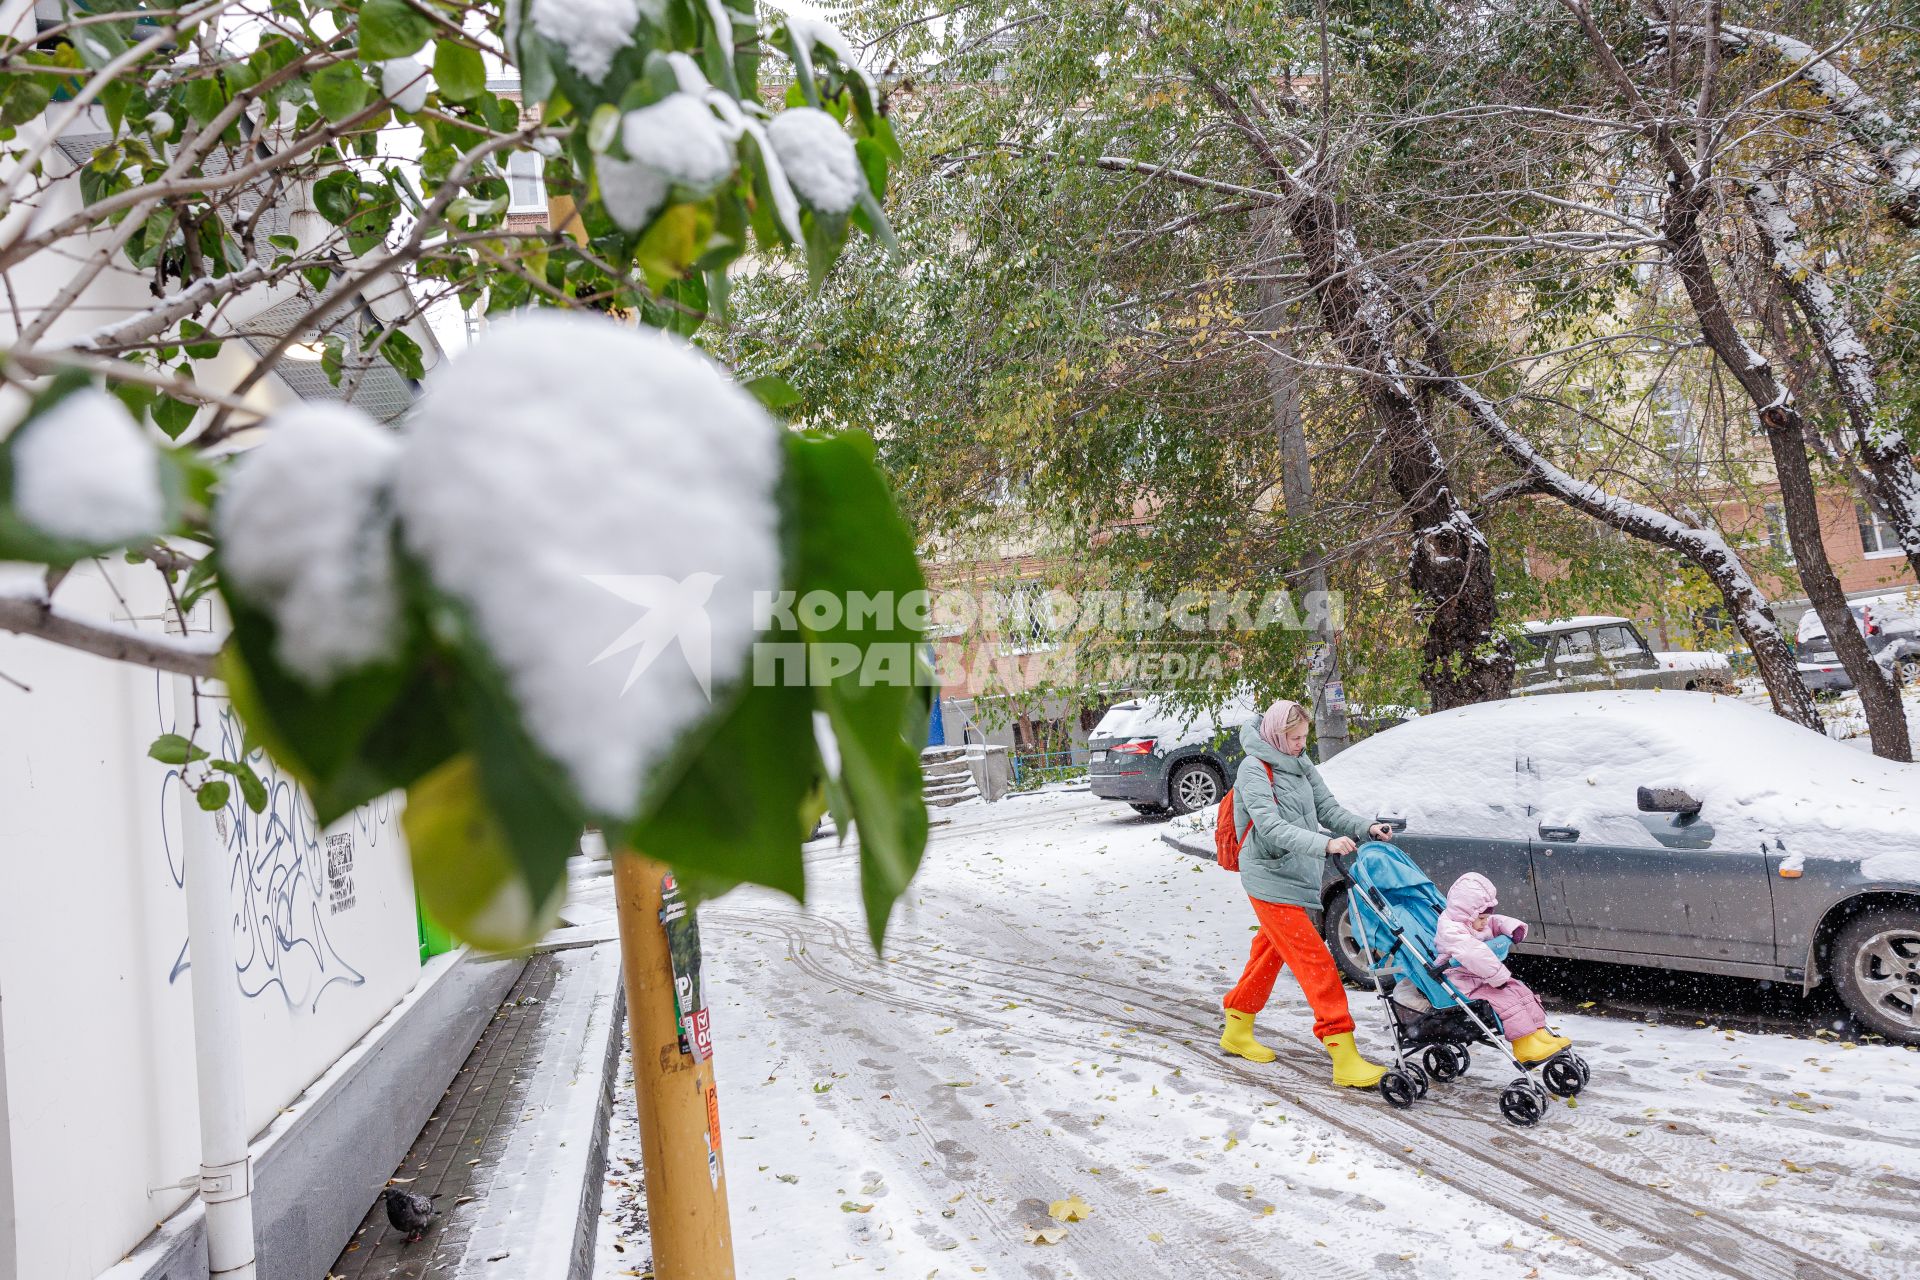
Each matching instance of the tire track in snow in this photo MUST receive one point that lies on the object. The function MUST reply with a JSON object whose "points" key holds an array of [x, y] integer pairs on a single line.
{"points": [[1606, 1203], [987, 1158]]}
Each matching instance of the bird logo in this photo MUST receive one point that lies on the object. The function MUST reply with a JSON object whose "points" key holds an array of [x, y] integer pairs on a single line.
{"points": [[676, 610]]}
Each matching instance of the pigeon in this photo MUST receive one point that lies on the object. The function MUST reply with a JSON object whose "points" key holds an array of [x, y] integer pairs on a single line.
{"points": [[408, 1212]]}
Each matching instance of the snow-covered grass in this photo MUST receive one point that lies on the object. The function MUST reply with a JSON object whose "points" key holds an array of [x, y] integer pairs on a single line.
{"points": [[1042, 1026]]}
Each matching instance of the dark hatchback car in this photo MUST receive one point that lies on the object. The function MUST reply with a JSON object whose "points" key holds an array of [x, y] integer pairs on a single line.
{"points": [[1697, 834], [1160, 760]]}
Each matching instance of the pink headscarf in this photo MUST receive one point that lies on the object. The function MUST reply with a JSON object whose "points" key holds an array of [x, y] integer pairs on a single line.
{"points": [[1273, 725]]}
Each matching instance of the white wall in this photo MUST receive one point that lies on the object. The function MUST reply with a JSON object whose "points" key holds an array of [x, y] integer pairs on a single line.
{"points": [[96, 1022]]}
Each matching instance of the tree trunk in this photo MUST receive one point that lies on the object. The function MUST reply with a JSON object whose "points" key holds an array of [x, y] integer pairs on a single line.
{"points": [[1751, 613], [1786, 432], [1296, 487], [1463, 660], [1888, 459]]}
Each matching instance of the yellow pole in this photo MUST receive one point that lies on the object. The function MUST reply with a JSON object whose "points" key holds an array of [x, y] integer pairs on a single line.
{"points": [[679, 1106]]}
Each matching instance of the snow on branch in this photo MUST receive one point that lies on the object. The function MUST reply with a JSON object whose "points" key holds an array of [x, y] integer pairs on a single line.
{"points": [[1893, 145]]}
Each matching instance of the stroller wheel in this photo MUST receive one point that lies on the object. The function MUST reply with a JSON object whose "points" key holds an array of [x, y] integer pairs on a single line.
{"points": [[1586, 1072], [1446, 1061], [1418, 1077], [1397, 1088], [1521, 1105], [1563, 1075]]}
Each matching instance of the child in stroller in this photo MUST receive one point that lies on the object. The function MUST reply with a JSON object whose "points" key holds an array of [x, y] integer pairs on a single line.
{"points": [[1396, 913], [1464, 931]]}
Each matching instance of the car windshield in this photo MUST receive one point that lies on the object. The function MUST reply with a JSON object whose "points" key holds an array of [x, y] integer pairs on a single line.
{"points": [[1619, 641], [1530, 652]]}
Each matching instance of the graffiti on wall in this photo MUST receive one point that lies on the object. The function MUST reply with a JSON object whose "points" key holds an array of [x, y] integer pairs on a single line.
{"points": [[287, 877]]}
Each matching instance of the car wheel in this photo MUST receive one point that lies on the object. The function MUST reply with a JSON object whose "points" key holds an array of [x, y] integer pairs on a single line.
{"points": [[1151, 810], [1907, 670], [1193, 786], [1876, 966], [1348, 951]]}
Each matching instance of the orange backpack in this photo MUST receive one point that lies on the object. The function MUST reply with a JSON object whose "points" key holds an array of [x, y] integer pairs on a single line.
{"points": [[1227, 838]]}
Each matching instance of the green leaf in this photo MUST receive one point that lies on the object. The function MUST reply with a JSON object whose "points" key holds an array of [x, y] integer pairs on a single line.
{"points": [[404, 354], [773, 391], [173, 416], [463, 866], [339, 90], [367, 733], [707, 823], [203, 99], [171, 748], [213, 795], [198, 350], [251, 788], [846, 536], [336, 196], [23, 96], [459, 70], [391, 29]]}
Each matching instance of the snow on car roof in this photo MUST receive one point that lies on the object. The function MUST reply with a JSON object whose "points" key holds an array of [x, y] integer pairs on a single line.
{"points": [[1584, 620], [1498, 769], [1150, 716]]}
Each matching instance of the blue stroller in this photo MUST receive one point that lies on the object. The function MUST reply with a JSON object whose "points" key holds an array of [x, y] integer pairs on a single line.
{"points": [[1395, 910]]}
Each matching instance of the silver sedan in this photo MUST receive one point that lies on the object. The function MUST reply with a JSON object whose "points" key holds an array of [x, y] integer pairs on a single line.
{"points": [[1678, 831]]}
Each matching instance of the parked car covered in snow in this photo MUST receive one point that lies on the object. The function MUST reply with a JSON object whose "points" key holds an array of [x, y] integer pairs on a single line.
{"points": [[1891, 625], [1696, 834], [1161, 760], [1601, 652]]}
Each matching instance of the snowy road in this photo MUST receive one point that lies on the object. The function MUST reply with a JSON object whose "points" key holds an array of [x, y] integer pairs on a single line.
{"points": [[1043, 1025]]}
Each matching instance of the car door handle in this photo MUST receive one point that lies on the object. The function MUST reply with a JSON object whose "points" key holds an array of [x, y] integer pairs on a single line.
{"points": [[1559, 833]]}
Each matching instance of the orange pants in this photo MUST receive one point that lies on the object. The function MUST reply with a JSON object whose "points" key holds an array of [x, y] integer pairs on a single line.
{"points": [[1287, 937]]}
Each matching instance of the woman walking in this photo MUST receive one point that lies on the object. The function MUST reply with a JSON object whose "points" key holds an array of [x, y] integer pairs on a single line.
{"points": [[1280, 804]]}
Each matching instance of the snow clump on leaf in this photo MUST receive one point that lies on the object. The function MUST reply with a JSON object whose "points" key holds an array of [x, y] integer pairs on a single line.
{"points": [[603, 500], [680, 138], [818, 158], [84, 470], [592, 32], [674, 142], [632, 192], [405, 83], [305, 534]]}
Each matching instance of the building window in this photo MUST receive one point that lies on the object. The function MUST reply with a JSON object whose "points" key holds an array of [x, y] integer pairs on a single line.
{"points": [[526, 192], [1877, 537], [1777, 531]]}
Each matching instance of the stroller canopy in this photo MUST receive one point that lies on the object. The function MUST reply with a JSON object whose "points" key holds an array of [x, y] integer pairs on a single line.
{"points": [[1413, 903]]}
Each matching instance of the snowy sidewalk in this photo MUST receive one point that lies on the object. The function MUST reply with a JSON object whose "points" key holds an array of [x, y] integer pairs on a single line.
{"points": [[1041, 1027], [514, 1152]]}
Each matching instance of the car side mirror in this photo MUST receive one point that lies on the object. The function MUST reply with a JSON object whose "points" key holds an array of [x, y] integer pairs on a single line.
{"points": [[1668, 800]]}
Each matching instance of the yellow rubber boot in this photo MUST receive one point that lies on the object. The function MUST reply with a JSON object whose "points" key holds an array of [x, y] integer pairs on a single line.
{"points": [[1349, 1068], [1238, 1038], [1538, 1046]]}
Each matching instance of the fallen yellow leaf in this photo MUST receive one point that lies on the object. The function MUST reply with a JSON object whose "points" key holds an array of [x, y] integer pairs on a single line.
{"points": [[1046, 1235], [1072, 1209]]}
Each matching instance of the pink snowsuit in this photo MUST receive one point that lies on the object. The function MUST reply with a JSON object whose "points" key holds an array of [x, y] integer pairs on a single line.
{"points": [[1480, 975]]}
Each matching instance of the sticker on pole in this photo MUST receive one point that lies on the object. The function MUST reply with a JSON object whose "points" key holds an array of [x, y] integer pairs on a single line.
{"points": [[689, 991], [713, 1133]]}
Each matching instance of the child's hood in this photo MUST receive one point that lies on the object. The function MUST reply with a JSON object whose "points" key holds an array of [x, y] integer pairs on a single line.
{"points": [[1471, 895]]}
